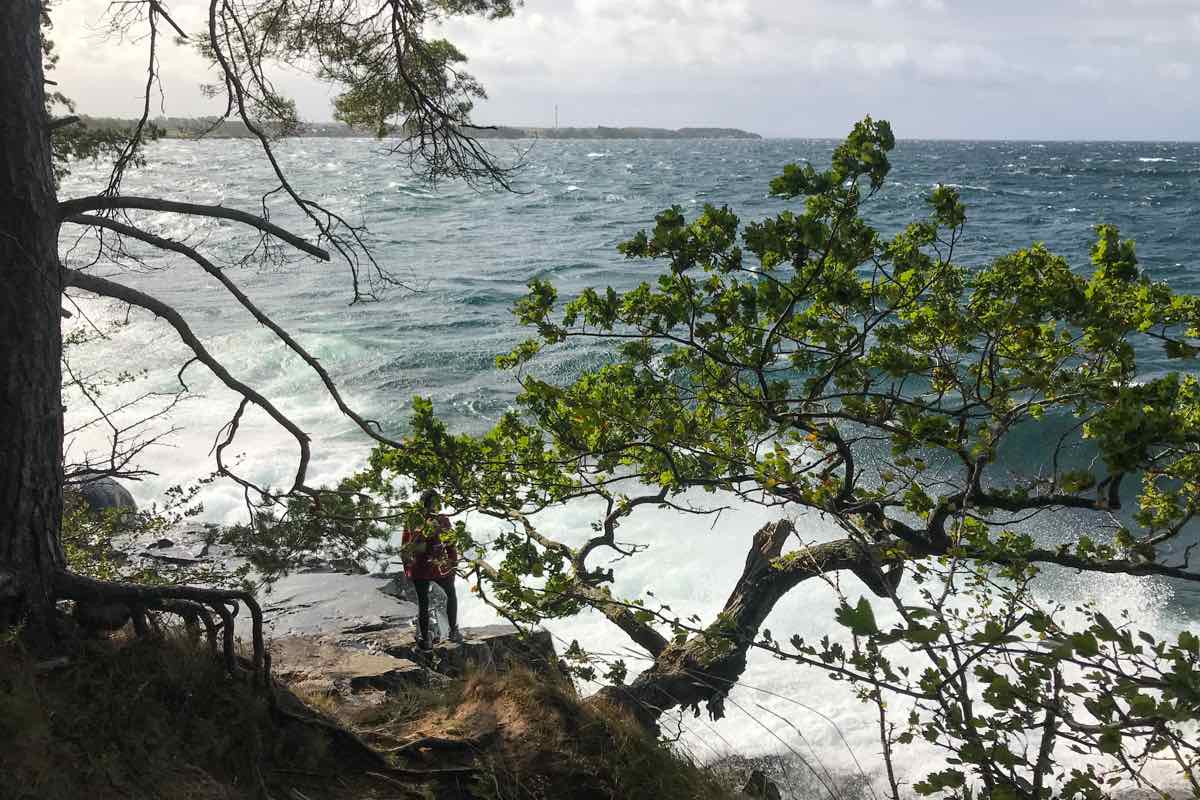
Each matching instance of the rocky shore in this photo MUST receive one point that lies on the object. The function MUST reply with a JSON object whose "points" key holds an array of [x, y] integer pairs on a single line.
{"points": [[334, 628]]}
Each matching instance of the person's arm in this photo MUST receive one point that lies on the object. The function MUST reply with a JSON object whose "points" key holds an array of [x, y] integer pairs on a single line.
{"points": [[412, 545]]}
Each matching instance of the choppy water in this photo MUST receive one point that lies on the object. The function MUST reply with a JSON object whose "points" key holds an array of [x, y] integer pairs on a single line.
{"points": [[470, 255]]}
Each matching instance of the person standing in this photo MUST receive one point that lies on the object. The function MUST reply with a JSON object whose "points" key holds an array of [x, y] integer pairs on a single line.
{"points": [[429, 558]]}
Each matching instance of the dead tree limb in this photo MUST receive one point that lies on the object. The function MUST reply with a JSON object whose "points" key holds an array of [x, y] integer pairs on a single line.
{"points": [[108, 288], [262, 318], [80, 205]]}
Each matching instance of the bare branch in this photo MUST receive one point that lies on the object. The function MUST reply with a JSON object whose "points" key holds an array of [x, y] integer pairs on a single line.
{"points": [[63, 122], [79, 205], [107, 288], [263, 319]]}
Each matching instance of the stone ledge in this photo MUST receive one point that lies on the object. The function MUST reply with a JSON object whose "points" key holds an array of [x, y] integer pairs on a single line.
{"points": [[389, 660]]}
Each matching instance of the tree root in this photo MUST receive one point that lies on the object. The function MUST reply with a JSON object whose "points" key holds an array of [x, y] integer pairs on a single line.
{"points": [[392, 776], [288, 707], [189, 602], [438, 743]]}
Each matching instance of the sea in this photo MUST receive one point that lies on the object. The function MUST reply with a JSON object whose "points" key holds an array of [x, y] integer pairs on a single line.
{"points": [[465, 254]]}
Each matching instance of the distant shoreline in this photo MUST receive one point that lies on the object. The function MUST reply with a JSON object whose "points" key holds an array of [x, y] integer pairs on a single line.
{"points": [[209, 128]]}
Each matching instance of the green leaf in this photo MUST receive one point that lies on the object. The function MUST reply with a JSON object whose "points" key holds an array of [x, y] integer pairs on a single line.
{"points": [[860, 619]]}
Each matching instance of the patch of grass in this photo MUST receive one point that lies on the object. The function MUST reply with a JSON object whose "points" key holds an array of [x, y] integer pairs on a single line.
{"points": [[159, 718], [536, 740], [127, 719]]}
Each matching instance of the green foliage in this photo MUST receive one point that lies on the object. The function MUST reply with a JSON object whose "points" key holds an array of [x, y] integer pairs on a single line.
{"points": [[374, 101], [809, 361], [764, 353], [93, 542], [391, 75]]}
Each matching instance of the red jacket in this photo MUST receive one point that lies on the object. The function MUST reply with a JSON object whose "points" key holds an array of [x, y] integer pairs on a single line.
{"points": [[439, 557]]}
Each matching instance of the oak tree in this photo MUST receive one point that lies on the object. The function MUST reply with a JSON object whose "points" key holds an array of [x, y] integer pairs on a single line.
{"points": [[810, 364]]}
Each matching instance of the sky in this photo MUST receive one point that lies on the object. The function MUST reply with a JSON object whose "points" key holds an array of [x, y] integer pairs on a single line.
{"points": [[956, 69]]}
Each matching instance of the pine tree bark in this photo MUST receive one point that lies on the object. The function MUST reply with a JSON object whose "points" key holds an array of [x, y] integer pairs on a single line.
{"points": [[31, 415]]}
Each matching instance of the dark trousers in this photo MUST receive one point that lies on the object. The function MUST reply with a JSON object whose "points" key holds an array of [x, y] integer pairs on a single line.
{"points": [[422, 587]]}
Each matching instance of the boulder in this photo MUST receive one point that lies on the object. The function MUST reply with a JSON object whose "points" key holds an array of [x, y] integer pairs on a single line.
{"points": [[108, 616], [101, 494], [399, 587], [348, 566]]}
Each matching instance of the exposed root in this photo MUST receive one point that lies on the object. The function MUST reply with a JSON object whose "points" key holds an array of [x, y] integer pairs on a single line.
{"points": [[194, 614], [439, 743], [189, 602], [286, 706]]}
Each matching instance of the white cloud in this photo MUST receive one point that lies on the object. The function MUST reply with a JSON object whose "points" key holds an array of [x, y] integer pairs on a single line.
{"points": [[928, 5], [780, 66], [1176, 71], [1085, 72]]}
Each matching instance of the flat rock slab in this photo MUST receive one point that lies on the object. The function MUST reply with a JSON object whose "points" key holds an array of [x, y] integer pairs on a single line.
{"points": [[320, 664], [332, 602], [489, 647], [389, 660]]}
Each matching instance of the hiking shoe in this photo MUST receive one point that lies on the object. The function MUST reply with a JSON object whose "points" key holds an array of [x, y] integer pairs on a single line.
{"points": [[424, 645], [456, 636]]}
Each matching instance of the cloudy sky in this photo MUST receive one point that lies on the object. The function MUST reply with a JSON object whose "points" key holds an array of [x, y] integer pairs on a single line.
{"points": [[1040, 69]]}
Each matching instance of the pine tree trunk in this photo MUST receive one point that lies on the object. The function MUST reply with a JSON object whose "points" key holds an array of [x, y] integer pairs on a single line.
{"points": [[31, 419]]}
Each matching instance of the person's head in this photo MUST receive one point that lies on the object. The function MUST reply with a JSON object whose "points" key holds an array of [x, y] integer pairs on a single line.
{"points": [[430, 500]]}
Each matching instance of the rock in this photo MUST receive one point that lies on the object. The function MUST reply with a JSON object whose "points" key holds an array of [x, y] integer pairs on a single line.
{"points": [[389, 660], [319, 664], [348, 566], [182, 560], [399, 587], [493, 647], [391, 569], [158, 544], [331, 602], [101, 494]]}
